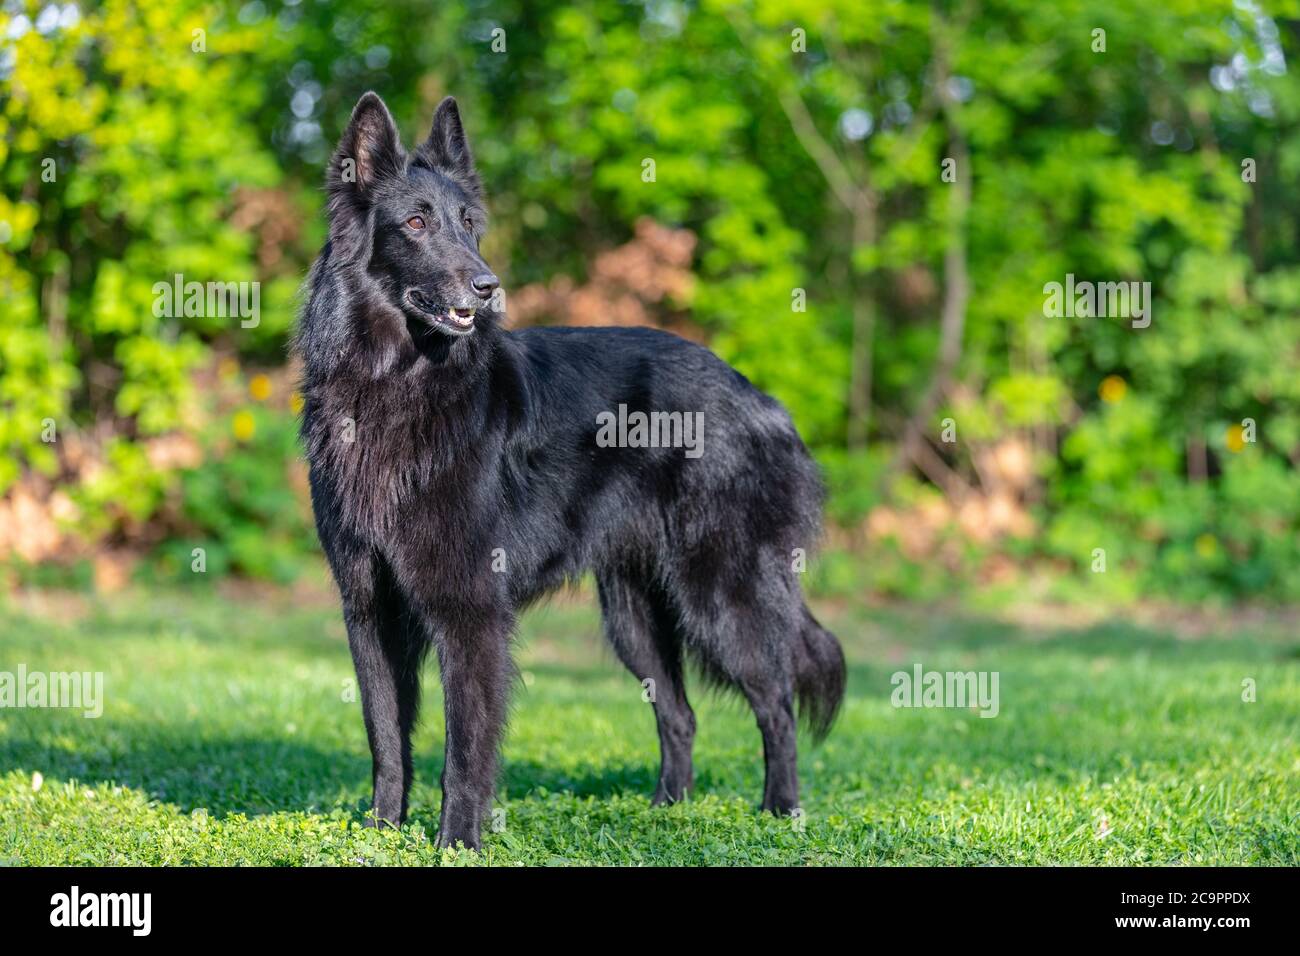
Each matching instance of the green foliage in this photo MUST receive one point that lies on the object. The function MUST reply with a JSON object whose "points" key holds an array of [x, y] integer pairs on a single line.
{"points": [[126, 490], [240, 506], [764, 121], [851, 480], [121, 147]]}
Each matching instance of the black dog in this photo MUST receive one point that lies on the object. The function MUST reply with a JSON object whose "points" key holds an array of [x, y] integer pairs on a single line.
{"points": [[460, 471]]}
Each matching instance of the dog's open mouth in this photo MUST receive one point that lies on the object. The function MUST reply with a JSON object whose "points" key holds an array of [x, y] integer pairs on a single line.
{"points": [[454, 320]]}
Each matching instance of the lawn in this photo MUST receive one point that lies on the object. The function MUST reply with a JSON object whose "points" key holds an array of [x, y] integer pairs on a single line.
{"points": [[230, 735]]}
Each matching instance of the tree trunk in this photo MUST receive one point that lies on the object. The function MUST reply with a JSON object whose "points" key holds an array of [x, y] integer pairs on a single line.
{"points": [[862, 344]]}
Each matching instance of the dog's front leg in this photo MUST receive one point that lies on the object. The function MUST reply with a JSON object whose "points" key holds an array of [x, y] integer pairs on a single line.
{"points": [[387, 667], [473, 653]]}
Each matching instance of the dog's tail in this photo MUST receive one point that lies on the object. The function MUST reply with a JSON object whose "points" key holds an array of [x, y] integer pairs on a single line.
{"points": [[819, 676]]}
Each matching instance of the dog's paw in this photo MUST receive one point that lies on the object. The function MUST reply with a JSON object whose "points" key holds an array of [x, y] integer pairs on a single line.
{"points": [[451, 841]]}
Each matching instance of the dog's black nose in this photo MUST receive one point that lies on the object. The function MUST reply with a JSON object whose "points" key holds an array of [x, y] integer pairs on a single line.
{"points": [[484, 285]]}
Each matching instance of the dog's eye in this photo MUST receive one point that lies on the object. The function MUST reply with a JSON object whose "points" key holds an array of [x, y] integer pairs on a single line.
{"points": [[416, 223]]}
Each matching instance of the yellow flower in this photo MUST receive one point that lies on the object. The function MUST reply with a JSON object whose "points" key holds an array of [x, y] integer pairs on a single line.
{"points": [[243, 425], [1206, 545], [1112, 388], [295, 402], [1236, 438], [259, 386]]}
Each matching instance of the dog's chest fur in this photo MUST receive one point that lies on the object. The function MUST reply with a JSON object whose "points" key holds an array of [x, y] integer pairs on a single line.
{"points": [[401, 470]]}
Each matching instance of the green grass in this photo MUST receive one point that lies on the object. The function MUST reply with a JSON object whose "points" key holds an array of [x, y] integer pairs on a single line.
{"points": [[226, 739]]}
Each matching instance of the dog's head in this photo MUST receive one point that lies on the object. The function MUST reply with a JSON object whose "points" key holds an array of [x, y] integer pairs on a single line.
{"points": [[412, 223]]}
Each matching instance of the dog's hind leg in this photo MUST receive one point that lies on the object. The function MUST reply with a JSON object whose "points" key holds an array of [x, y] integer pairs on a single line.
{"points": [[765, 676], [641, 627], [743, 624], [771, 695]]}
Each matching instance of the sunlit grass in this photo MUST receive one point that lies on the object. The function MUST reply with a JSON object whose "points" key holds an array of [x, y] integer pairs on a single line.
{"points": [[231, 735]]}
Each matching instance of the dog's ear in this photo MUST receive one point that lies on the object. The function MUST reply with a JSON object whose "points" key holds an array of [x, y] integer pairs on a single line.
{"points": [[370, 148], [369, 151], [447, 146]]}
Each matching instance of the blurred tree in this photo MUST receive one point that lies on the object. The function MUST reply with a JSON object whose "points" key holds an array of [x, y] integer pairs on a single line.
{"points": [[876, 193]]}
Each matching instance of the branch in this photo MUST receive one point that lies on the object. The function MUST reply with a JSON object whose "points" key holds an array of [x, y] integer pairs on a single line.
{"points": [[832, 167], [954, 487]]}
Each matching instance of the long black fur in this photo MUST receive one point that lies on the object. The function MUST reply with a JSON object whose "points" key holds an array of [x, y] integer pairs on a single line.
{"points": [[456, 477]]}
